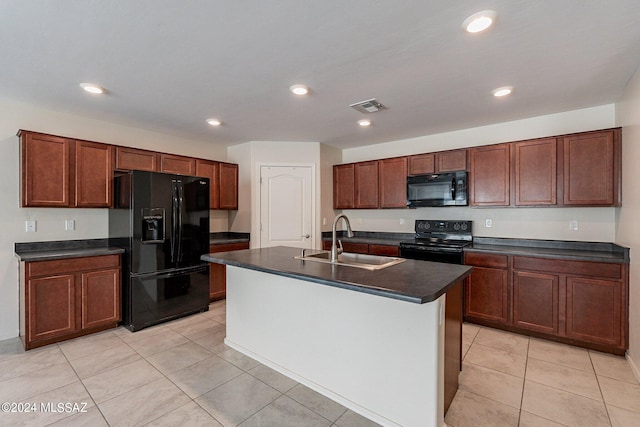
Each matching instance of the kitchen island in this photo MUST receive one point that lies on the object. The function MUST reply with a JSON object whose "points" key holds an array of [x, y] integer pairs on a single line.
{"points": [[370, 340]]}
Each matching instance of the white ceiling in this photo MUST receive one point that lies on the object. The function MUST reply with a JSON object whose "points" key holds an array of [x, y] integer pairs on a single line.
{"points": [[171, 64]]}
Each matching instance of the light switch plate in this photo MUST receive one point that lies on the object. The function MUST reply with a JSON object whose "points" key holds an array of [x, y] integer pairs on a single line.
{"points": [[573, 225], [30, 226], [69, 225], [488, 223]]}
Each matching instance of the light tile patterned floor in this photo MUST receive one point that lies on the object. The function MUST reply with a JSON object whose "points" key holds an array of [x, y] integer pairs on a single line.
{"points": [[512, 380], [181, 373]]}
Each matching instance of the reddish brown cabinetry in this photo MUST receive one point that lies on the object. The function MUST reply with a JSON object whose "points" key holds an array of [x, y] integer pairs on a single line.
{"points": [[45, 170], [393, 182], [364, 248], [135, 159], [487, 288], [62, 172], [171, 163], [535, 172], [577, 302], [591, 168], [93, 175], [218, 272], [535, 301], [344, 186], [366, 181], [489, 175], [210, 169], [228, 179], [444, 161], [63, 299]]}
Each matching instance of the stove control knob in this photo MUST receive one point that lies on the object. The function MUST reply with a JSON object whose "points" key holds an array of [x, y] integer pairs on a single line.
{"points": [[426, 225], [456, 226], [464, 226]]}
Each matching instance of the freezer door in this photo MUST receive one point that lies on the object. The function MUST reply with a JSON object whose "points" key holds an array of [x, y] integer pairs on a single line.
{"points": [[156, 298]]}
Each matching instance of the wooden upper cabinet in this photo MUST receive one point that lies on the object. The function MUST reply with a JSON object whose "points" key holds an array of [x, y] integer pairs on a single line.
{"points": [[344, 186], [228, 173], [393, 182], [209, 169], [535, 172], [489, 175], [134, 159], [366, 180], [422, 164], [45, 170], [93, 175], [451, 161], [444, 161], [171, 163], [591, 168]]}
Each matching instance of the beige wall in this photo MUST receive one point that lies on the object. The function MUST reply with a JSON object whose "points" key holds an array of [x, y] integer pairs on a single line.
{"points": [[628, 218], [90, 223], [250, 156], [594, 224]]}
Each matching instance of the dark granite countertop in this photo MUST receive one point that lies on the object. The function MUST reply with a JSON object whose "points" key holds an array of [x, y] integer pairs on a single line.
{"points": [[413, 281], [223, 238], [558, 249], [61, 249]]}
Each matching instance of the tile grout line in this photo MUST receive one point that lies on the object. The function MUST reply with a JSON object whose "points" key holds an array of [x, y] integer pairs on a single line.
{"points": [[84, 386], [604, 402]]}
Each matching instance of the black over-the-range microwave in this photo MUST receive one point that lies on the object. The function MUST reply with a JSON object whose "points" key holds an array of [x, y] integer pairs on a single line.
{"points": [[442, 189]]}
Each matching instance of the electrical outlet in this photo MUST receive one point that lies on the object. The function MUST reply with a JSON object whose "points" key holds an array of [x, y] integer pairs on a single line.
{"points": [[30, 226], [573, 225], [69, 225], [488, 223], [401, 221], [324, 221]]}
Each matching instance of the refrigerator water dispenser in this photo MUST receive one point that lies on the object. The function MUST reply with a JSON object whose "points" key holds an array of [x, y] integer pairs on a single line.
{"points": [[153, 225]]}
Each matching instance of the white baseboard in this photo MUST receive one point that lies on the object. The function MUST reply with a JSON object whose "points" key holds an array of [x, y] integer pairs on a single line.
{"points": [[634, 367]]}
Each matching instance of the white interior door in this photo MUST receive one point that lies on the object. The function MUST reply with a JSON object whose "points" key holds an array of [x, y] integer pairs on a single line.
{"points": [[286, 206]]}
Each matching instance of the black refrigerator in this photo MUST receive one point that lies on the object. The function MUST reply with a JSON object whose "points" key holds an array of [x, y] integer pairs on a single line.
{"points": [[162, 222]]}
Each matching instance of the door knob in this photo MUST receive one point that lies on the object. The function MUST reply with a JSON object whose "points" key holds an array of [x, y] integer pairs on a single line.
{"points": [[306, 236]]}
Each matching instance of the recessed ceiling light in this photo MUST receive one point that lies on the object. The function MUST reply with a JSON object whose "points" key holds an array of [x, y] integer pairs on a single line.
{"points": [[479, 21], [364, 122], [91, 88], [299, 89], [502, 91], [214, 122]]}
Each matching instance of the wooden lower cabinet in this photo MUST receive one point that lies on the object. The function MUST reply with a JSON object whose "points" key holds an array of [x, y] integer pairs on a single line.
{"points": [[63, 299], [595, 310], [486, 292], [452, 342], [218, 272], [576, 302], [535, 301], [364, 248]]}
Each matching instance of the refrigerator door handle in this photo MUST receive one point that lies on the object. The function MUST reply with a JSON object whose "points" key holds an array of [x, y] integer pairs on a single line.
{"points": [[174, 218], [180, 224]]}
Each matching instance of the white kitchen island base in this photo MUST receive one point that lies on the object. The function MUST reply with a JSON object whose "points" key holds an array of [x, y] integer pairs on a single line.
{"points": [[380, 357]]}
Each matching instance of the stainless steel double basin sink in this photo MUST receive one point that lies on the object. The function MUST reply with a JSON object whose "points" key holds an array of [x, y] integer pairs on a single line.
{"points": [[347, 259]]}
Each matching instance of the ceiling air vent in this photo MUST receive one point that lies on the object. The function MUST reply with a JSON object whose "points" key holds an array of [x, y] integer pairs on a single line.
{"points": [[368, 106]]}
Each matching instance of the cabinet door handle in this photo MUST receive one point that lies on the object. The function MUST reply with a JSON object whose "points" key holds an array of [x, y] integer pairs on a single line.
{"points": [[306, 236]]}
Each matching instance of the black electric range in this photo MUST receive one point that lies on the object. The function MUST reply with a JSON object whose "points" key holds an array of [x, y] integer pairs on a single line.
{"points": [[440, 241]]}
